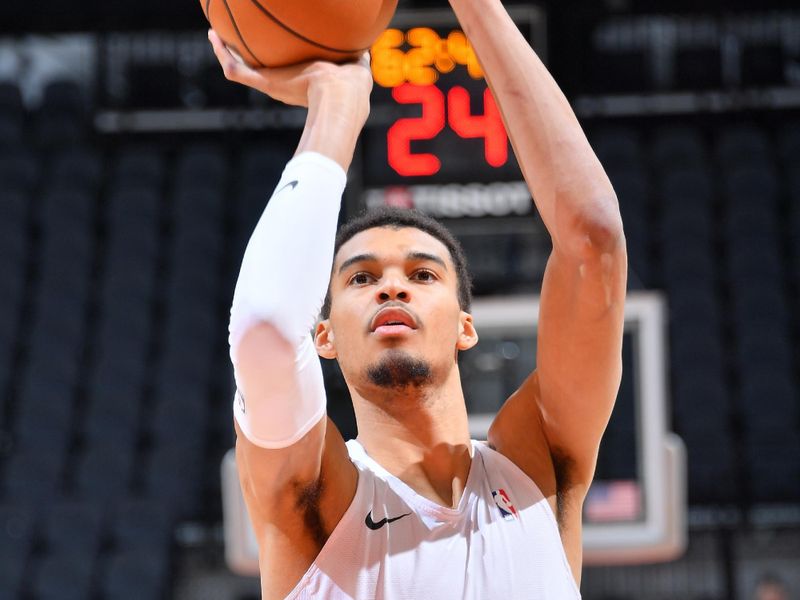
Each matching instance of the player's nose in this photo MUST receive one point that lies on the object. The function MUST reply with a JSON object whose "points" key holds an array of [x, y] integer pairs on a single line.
{"points": [[393, 287]]}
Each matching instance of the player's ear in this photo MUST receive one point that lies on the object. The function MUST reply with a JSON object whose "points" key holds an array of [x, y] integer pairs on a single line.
{"points": [[323, 339], [467, 334]]}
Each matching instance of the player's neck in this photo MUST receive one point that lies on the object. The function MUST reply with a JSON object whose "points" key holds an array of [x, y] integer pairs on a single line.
{"points": [[421, 437]]}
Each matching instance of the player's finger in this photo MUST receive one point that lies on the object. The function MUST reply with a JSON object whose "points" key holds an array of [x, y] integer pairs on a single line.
{"points": [[231, 67], [235, 69]]}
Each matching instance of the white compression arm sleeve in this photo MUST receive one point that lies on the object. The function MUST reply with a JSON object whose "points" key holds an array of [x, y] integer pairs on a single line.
{"points": [[283, 281]]}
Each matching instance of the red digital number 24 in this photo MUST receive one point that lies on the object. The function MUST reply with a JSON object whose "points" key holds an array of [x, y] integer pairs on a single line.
{"points": [[462, 121]]}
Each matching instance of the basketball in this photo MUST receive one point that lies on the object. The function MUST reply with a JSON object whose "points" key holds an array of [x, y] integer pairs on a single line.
{"points": [[273, 33]]}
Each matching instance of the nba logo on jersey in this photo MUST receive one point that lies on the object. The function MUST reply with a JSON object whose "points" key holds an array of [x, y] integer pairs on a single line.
{"points": [[507, 510]]}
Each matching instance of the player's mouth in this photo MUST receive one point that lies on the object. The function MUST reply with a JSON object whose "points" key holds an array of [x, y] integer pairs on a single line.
{"points": [[393, 321]]}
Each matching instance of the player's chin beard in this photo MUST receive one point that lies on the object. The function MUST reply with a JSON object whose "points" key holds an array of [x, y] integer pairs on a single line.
{"points": [[397, 369]]}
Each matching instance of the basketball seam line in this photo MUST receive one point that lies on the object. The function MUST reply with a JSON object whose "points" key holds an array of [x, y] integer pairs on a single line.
{"points": [[299, 35], [239, 34]]}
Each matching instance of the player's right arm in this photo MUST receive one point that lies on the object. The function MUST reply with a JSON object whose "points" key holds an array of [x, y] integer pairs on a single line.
{"points": [[294, 469]]}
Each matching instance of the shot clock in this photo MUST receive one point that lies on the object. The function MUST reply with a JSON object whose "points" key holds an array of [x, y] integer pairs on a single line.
{"points": [[435, 120]]}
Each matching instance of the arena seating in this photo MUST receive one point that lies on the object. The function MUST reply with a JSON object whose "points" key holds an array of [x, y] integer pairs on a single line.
{"points": [[118, 260]]}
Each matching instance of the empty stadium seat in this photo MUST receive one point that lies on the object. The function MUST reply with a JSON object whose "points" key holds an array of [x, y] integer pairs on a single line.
{"points": [[138, 201], [204, 166], [742, 145], [105, 472], [700, 398], [751, 225], [136, 574], [77, 167], [678, 147], [171, 474], [127, 319], [140, 524], [12, 115], [152, 85], [713, 476], [687, 261], [73, 526], [19, 170], [63, 206], [619, 71], [218, 92], [764, 345], [773, 461], [197, 202], [13, 248], [755, 264], [696, 348], [14, 206], [760, 307], [681, 222], [112, 398], [43, 418], [17, 536], [12, 128], [699, 68], [10, 97], [190, 322], [767, 400], [762, 64], [757, 185], [190, 412], [140, 166], [61, 120], [691, 186], [617, 147], [617, 459], [249, 206], [695, 302], [33, 477], [261, 164], [64, 576], [489, 260], [132, 284], [789, 144]]}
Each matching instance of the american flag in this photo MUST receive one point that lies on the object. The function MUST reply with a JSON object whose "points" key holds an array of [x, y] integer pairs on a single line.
{"points": [[613, 501]]}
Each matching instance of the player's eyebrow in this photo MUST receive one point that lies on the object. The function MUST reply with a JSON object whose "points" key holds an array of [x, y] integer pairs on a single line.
{"points": [[356, 259], [426, 256], [416, 256]]}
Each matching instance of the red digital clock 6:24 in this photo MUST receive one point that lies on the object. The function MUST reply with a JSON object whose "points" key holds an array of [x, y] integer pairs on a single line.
{"points": [[434, 118]]}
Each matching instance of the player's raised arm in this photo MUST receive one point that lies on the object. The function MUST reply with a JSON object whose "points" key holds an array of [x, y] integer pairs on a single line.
{"points": [[285, 442], [582, 301]]}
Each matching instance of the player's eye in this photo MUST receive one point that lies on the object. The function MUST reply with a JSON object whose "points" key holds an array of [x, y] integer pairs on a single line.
{"points": [[424, 275], [361, 278]]}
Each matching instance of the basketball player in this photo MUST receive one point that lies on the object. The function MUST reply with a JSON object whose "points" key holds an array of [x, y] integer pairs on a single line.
{"points": [[413, 508]]}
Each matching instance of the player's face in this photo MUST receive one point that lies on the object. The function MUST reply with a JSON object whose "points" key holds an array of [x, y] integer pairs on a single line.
{"points": [[394, 291]]}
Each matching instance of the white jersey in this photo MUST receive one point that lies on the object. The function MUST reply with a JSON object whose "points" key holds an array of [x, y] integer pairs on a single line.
{"points": [[501, 541]]}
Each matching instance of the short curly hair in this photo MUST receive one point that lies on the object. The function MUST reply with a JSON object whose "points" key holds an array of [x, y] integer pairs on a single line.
{"points": [[399, 218]]}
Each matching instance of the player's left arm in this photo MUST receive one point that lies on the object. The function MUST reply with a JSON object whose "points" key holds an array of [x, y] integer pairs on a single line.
{"points": [[552, 426]]}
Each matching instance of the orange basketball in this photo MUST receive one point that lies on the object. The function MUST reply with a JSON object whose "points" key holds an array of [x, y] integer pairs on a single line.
{"points": [[282, 32]]}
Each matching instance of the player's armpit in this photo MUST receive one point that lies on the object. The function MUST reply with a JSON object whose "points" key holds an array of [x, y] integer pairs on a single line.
{"points": [[285, 441], [284, 486]]}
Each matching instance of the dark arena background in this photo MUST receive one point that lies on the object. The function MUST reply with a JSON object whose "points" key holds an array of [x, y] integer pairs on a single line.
{"points": [[132, 173]]}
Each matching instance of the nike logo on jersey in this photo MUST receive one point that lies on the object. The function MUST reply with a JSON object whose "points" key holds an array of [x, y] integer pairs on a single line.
{"points": [[375, 526], [292, 184]]}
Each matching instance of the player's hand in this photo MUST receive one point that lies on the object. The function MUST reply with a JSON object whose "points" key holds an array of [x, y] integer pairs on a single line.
{"points": [[301, 84]]}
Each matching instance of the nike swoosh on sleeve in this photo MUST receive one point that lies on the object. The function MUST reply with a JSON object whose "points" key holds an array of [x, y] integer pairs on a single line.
{"points": [[292, 184]]}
